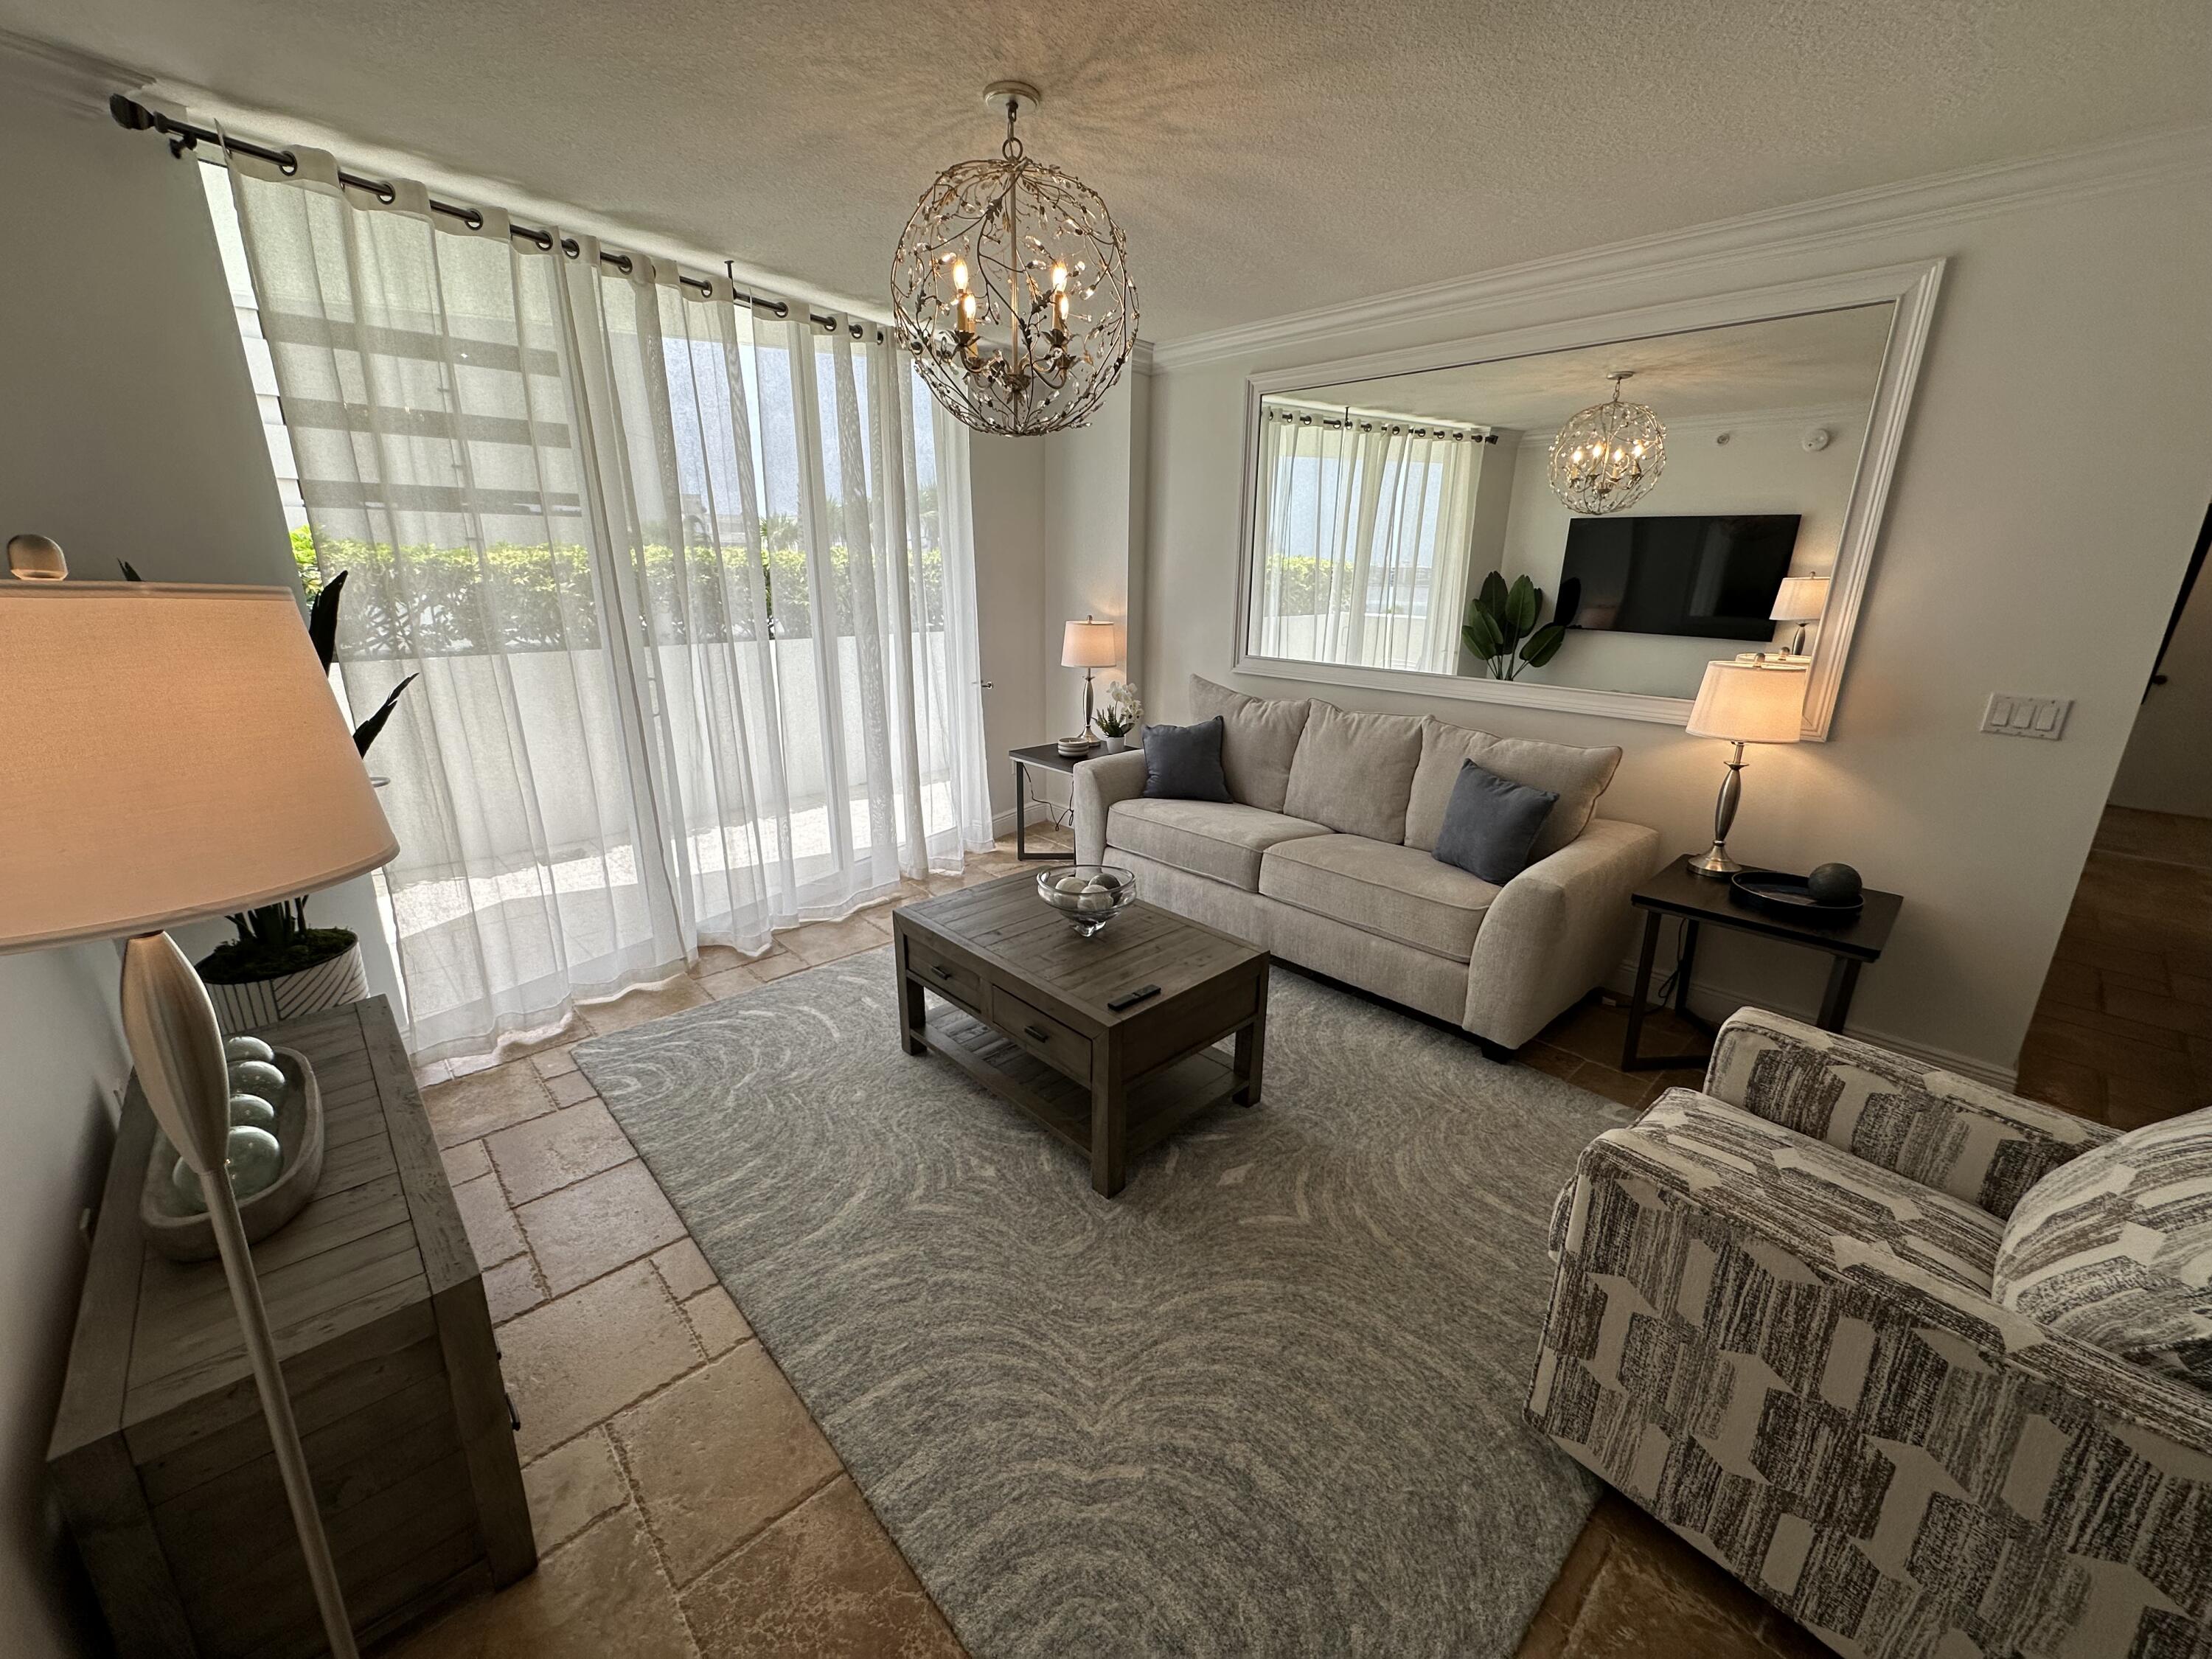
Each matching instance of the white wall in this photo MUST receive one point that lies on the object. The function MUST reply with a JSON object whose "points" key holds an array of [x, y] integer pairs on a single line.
{"points": [[61, 1054], [2073, 315], [1007, 478], [1060, 527], [2168, 764]]}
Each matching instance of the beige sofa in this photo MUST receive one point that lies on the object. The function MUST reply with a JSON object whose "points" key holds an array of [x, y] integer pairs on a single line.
{"points": [[1323, 856]]}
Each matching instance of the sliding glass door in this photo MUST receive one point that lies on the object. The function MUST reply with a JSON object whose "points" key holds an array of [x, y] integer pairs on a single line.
{"points": [[690, 600]]}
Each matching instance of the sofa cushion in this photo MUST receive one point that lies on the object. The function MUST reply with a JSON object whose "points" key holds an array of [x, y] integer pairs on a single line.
{"points": [[2115, 1248], [1577, 776], [1398, 892], [1490, 825], [1183, 763], [1218, 839], [1354, 772], [1258, 737]]}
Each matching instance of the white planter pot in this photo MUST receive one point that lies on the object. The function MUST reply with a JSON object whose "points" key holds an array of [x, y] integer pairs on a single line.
{"points": [[1115, 745], [259, 1002]]}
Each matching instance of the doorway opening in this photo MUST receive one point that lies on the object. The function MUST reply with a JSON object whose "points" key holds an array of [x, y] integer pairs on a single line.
{"points": [[2122, 1032]]}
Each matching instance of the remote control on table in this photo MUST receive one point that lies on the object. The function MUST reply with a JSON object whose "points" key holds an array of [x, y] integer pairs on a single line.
{"points": [[1131, 999]]}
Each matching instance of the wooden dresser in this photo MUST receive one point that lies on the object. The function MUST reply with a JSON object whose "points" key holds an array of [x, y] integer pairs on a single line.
{"points": [[160, 1456]]}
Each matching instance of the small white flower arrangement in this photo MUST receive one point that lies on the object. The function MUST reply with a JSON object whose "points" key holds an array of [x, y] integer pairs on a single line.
{"points": [[1118, 716]]}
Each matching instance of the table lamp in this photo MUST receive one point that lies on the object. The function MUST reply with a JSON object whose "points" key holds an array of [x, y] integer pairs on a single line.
{"points": [[1800, 599], [1754, 700], [1089, 646], [175, 753]]}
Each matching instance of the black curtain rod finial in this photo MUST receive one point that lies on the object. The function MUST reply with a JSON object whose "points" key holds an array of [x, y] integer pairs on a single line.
{"points": [[130, 115]]}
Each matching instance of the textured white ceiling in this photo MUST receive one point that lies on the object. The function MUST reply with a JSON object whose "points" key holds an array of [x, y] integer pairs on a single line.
{"points": [[1261, 157], [1823, 359]]}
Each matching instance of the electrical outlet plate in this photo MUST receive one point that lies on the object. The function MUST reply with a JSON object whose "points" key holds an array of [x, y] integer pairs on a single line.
{"points": [[2010, 715]]}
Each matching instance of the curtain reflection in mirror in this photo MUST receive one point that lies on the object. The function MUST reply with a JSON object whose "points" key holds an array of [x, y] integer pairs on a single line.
{"points": [[1364, 524]]}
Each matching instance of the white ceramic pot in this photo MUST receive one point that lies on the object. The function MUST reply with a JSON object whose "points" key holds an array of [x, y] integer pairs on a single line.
{"points": [[1115, 744], [259, 1002]]}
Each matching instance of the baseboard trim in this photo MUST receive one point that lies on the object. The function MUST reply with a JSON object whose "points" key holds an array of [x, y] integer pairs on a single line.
{"points": [[1716, 1002], [1036, 811]]}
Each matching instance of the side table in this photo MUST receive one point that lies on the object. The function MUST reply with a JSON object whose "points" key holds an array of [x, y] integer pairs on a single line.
{"points": [[159, 1453], [1678, 890], [1048, 756]]}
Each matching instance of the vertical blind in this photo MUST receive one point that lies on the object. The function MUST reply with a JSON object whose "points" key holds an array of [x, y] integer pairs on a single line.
{"points": [[689, 591]]}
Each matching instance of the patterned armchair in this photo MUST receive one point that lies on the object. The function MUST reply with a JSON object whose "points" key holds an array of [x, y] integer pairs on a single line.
{"points": [[1772, 1327]]}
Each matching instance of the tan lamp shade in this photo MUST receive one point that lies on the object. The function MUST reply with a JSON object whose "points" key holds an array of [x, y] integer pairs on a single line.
{"points": [[168, 753], [1800, 599], [1746, 703], [1088, 644]]}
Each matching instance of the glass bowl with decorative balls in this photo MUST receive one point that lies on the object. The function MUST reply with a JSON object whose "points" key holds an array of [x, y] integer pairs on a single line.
{"points": [[1089, 895]]}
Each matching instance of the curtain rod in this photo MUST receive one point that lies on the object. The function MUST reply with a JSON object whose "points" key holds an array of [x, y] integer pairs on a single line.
{"points": [[136, 116]]}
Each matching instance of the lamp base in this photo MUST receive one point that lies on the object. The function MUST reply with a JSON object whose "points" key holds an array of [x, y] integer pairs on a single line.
{"points": [[170, 1026], [1717, 863]]}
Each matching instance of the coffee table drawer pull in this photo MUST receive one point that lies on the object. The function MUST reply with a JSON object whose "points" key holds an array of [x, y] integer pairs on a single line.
{"points": [[1052, 1041], [940, 970]]}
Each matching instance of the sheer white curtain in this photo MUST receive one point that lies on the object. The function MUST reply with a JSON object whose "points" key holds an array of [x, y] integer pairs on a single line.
{"points": [[690, 595], [1363, 535]]}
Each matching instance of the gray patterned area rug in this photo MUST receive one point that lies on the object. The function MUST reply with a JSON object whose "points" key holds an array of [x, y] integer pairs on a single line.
{"points": [[1267, 1401]]}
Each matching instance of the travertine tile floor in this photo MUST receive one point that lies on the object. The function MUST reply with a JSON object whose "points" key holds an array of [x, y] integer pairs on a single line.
{"points": [[685, 1503]]}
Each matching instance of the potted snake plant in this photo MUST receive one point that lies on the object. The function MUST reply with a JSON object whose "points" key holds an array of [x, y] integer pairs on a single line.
{"points": [[280, 965]]}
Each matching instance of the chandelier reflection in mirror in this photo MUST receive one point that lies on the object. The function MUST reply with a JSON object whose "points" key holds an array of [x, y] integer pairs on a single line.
{"points": [[1010, 288], [1609, 455]]}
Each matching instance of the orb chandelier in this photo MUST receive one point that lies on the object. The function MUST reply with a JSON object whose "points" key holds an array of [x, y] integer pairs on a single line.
{"points": [[1609, 455], [1010, 288]]}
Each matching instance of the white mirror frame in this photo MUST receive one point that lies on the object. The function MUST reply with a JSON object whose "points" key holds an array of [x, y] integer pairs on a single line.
{"points": [[1912, 288]]}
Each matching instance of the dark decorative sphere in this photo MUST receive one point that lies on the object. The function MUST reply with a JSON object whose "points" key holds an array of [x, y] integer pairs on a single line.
{"points": [[1834, 883]]}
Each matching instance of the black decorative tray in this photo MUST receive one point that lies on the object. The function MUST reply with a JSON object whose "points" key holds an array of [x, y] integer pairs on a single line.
{"points": [[1788, 895]]}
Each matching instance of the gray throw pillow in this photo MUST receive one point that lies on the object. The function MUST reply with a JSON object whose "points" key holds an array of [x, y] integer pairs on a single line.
{"points": [[1183, 763], [1490, 825]]}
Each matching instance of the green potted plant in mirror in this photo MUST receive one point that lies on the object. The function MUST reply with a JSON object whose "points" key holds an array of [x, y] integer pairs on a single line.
{"points": [[1119, 715], [279, 966], [1501, 627]]}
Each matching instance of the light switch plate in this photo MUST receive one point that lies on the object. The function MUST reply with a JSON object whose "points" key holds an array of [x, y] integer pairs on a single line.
{"points": [[2010, 715]]}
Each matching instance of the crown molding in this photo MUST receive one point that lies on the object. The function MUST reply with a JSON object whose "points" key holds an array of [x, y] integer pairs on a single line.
{"points": [[75, 81], [1942, 199], [1140, 355]]}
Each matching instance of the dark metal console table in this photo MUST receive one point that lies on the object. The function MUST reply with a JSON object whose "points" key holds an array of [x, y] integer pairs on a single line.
{"points": [[1677, 890], [1048, 756]]}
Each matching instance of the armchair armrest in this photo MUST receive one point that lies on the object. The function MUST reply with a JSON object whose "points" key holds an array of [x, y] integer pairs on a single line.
{"points": [[1877, 1448], [1931, 1125], [1098, 784], [1556, 931]]}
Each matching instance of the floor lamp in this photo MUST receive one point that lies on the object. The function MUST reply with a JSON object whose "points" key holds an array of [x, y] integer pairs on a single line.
{"points": [[172, 754]]}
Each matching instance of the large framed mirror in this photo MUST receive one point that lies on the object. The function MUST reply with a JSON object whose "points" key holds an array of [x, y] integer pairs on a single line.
{"points": [[1582, 516]]}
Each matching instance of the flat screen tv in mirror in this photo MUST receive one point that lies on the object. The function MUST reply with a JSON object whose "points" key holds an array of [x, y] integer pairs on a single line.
{"points": [[1711, 576]]}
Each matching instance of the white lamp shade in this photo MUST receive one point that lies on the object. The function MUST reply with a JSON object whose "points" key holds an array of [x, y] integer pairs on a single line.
{"points": [[1088, 645], [1800, 599], [168, 753], [1746, 703]]}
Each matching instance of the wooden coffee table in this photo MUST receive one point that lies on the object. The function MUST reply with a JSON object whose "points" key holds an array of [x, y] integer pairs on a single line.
{"points": [[1022, 1008]]}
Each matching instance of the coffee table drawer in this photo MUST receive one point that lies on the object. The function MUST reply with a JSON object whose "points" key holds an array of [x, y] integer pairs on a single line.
{"points": [[946, 976], [1057, 1045]]}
